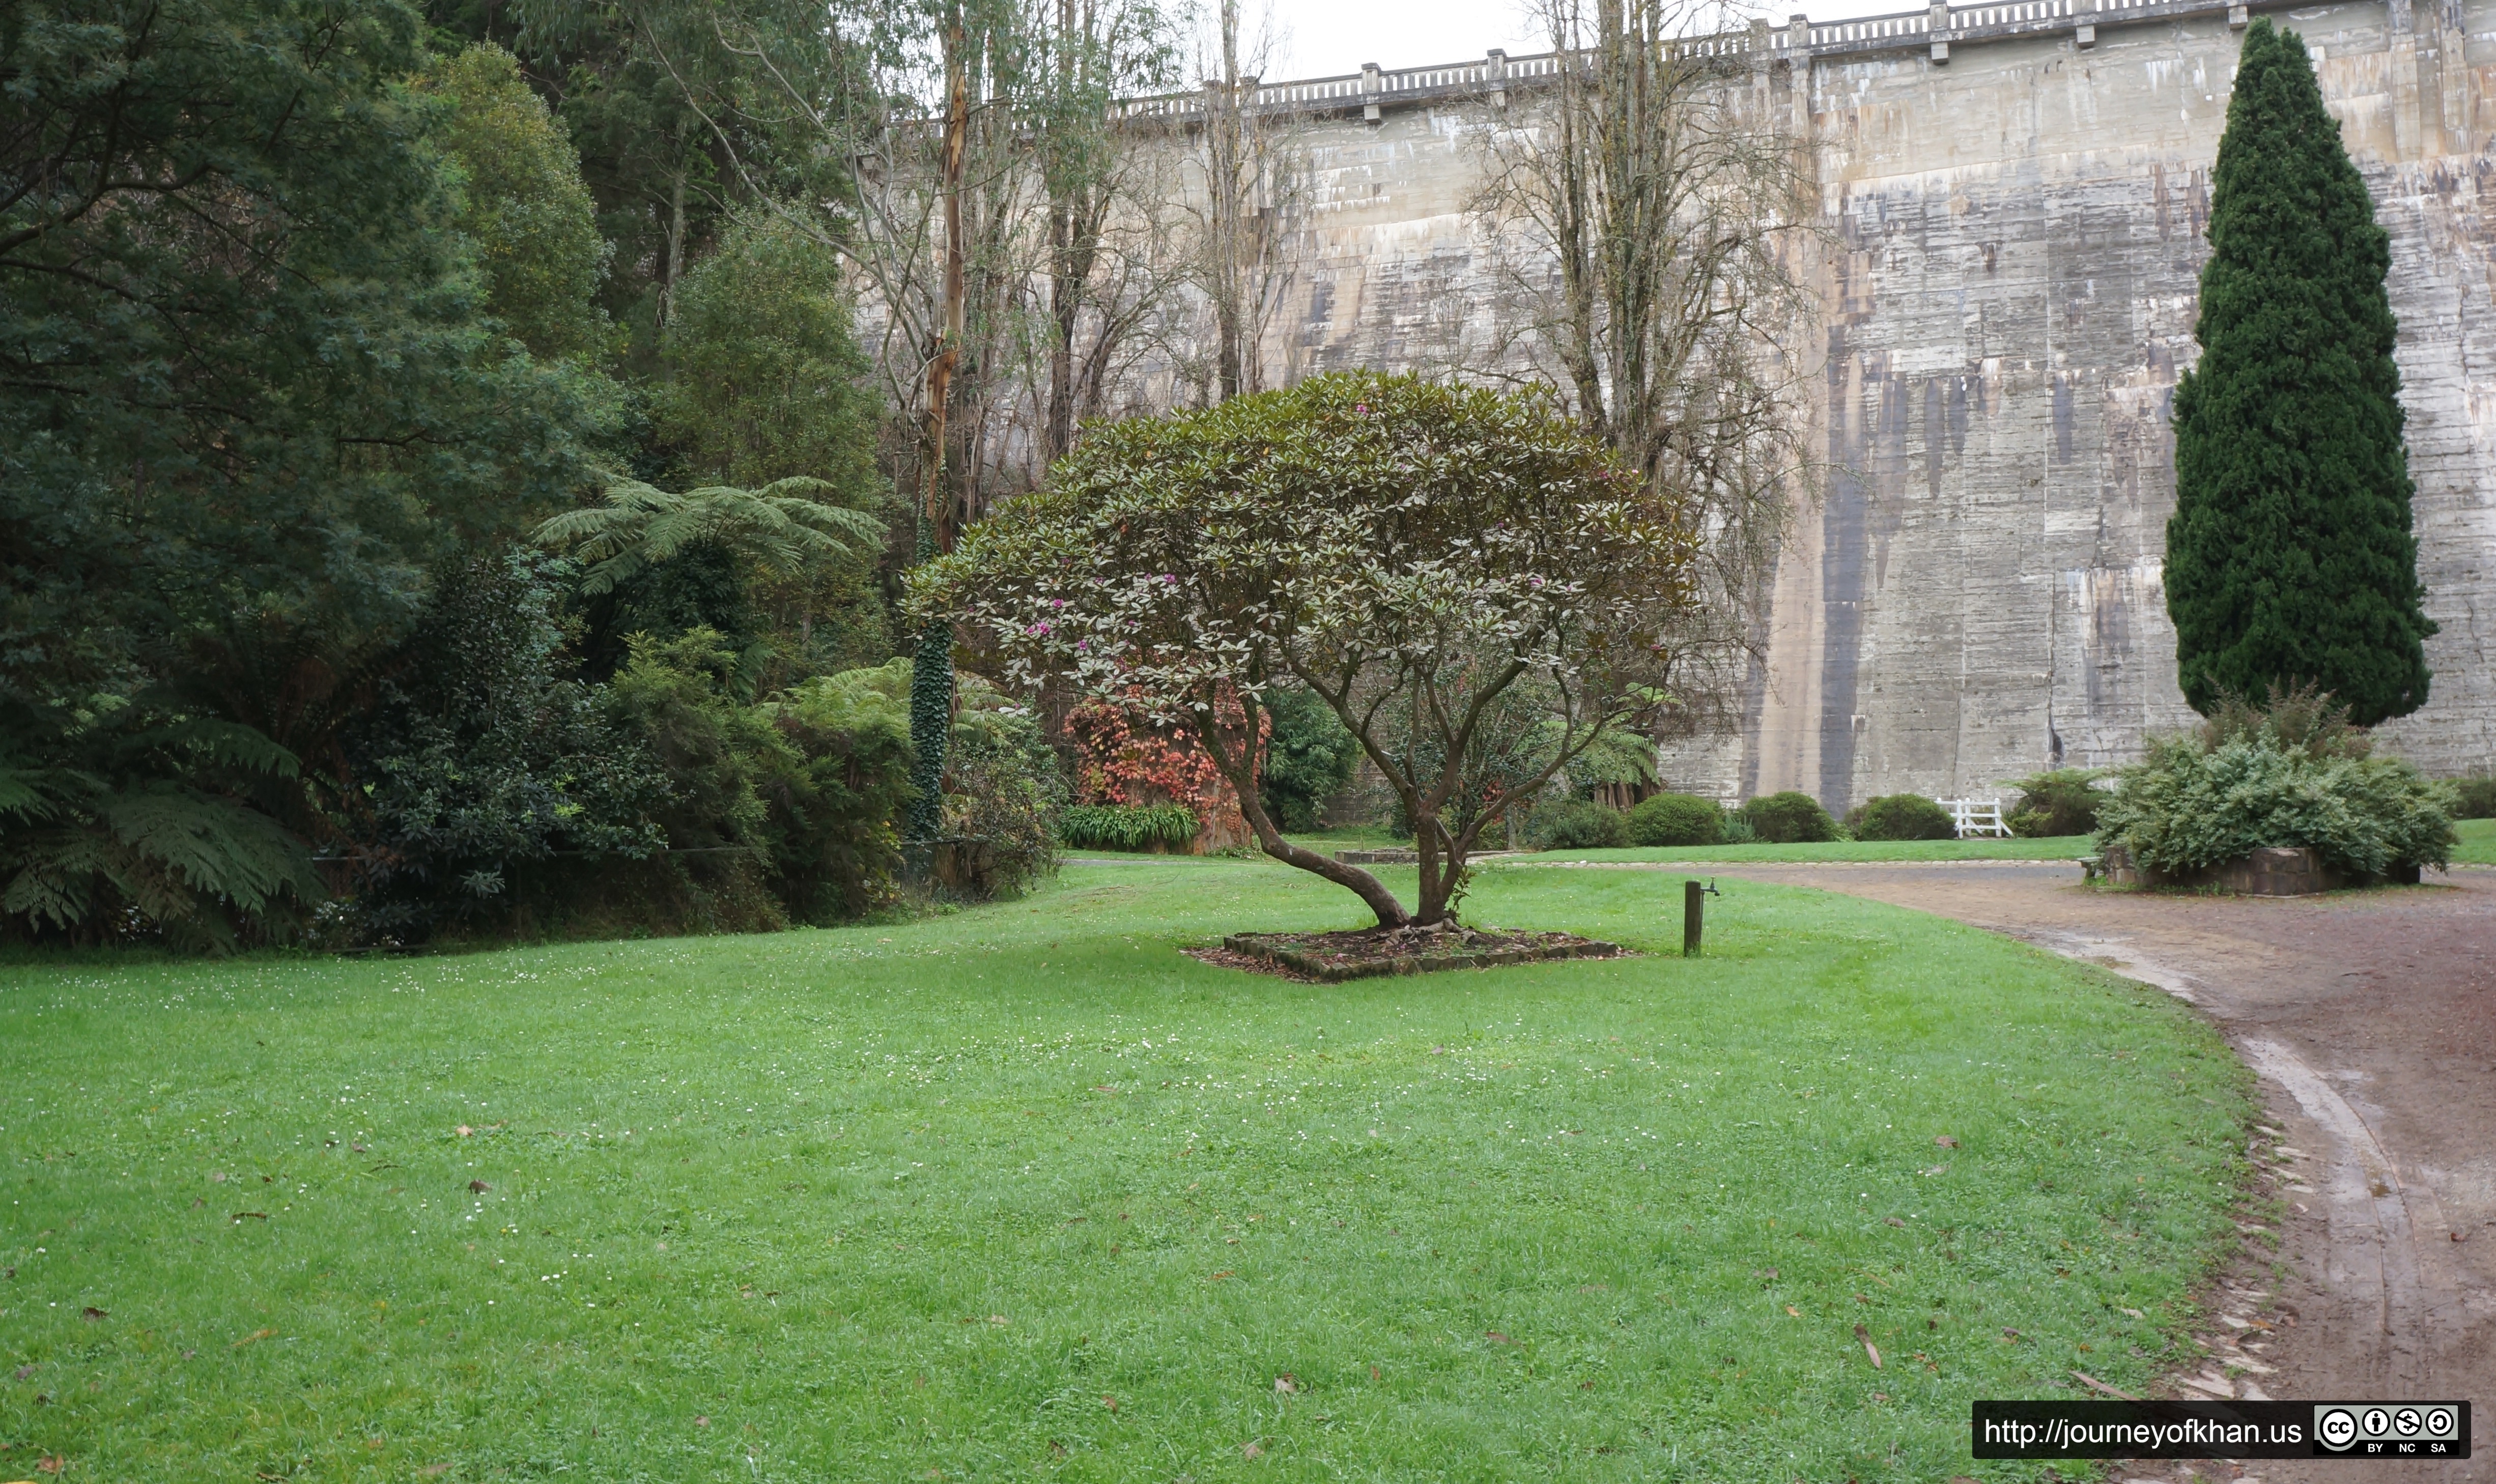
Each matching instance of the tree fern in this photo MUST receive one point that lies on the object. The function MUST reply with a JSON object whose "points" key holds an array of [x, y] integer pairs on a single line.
{"points": [[780, 525]]}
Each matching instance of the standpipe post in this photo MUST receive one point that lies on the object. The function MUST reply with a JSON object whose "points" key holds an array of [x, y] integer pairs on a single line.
{"points": [[1694, 914]]}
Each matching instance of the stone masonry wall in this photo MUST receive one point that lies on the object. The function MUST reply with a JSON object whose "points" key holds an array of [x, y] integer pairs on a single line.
{"points": [[2008, 294]]}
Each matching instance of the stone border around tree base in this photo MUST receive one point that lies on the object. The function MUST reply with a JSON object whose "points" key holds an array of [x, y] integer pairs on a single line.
{"points": [[1278, 948]]}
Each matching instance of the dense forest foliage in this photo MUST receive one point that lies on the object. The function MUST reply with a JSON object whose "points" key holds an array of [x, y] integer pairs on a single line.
{"points": [[437, 493]]}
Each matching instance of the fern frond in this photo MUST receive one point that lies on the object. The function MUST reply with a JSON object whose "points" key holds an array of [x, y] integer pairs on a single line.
{"points": [[640, 525], [217, 846]]}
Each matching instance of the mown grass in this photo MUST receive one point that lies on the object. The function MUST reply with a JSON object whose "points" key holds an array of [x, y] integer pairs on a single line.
{"points": [[2052, 847], [2478, 841], [1024, 1193]]}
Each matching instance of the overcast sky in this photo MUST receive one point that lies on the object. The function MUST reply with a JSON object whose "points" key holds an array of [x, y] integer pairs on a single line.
{"points": [[1325, 38]]}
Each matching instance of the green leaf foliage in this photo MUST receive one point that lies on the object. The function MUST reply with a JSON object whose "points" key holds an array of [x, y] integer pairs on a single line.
{"points": [[493, 781], [765, 378], [522, 204], [1900, 816], [2289, 556], [1789, 818], [1309, 758], [2473, 796], [2191, 805], [780, 812], [1577, 824], [1130, 827], [2061, 802], [155, 836], [1676, 819], [1003, 783], [784, 525], [251, 397]]}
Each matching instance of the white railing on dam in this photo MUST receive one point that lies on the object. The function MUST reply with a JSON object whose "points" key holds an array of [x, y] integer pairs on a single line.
{"points": [[1373, 87]]}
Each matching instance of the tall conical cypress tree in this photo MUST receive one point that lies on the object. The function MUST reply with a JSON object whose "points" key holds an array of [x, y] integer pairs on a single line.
{"points": [[2289, 556]]}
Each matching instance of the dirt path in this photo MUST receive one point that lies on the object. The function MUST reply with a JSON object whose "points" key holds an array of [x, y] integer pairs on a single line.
{"points": [[2371, 1018]]}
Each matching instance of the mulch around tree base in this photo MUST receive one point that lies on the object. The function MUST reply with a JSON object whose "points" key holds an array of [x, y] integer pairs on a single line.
{"points": [[1333, 957]]}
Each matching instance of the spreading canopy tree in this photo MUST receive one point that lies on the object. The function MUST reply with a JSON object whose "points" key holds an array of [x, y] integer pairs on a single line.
{"points": [[2289, 557], [1413, 555]]}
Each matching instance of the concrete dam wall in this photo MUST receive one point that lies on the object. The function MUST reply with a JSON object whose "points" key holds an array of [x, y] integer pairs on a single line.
{"points": [[2015, 196]]}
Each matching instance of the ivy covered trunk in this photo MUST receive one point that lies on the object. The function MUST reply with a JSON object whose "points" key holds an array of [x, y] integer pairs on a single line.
{"points": [[931, 724]]}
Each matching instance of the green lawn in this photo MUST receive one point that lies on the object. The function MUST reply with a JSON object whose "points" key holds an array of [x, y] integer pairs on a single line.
{"points": [[1024, 1192], [2055, 847], [2478, 841]]}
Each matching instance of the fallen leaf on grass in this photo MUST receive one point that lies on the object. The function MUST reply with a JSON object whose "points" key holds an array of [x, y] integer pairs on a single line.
{"points": [[1792, 1309], [1938, 1169], [2094, 1384], [465, 1130], [1880, 1396], [1287, 1383], [1111, 1403], [1496, 1337], [434, 1470], [1218, 1277], [251, 1216], [1947, 1142], [1869, 1349], [91, 1313], [479, 1186], [702, 1422], [1893, 1220], [1251, 1450], [253, 1338], [51, 1463]]}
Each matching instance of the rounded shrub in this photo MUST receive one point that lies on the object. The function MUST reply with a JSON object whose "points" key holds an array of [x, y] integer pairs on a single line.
{"points": [[1789, 818], [1900, 816], [1578, 825], [2062, 802], [2474, 797], [1676, 819], [2190, 806]]}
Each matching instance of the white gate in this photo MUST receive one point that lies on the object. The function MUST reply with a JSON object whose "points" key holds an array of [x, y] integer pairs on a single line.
{"points": [[1976, 817]]}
